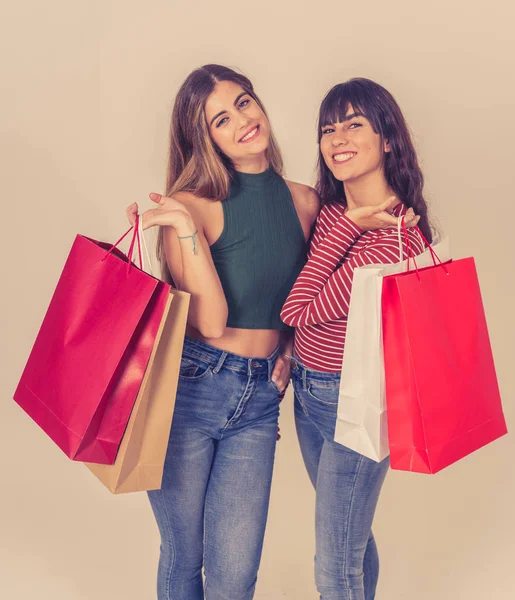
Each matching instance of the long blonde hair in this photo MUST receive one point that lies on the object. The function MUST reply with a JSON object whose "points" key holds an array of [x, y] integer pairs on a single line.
{"points": [[195, 163]]}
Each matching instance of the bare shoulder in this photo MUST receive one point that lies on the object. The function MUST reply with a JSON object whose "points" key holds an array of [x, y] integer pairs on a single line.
{"points": [[199, 207], [192, 202], [207, 214], [306, 200]]}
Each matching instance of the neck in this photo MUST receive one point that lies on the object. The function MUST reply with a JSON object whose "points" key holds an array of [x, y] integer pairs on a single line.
{"points": [[254, 164], [369, 190]]}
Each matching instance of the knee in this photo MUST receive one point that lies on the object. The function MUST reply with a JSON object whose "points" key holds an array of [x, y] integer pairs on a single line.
{"points": [[238, 585], [339, 580], [229, 590]]}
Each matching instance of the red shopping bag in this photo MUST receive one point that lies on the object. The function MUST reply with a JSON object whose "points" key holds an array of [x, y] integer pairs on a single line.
{"points": [[442, 394], [86, 366]]}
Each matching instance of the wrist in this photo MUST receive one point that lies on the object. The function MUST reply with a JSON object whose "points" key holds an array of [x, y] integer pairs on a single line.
{"points": [[353, 220], [184, 225], [286, 344]]}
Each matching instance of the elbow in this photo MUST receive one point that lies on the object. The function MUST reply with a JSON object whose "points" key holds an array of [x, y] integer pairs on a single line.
{"points": [[286, 320], [212, 331], [214, 327]]}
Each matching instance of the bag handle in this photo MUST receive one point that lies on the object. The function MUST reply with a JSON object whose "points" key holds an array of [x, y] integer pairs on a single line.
{"points": [[138, 237], [401, 225], [143, 241]]}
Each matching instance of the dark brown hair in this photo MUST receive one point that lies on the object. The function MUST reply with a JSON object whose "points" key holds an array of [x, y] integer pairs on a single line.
{"points": [[401, 167], [195, 163]]}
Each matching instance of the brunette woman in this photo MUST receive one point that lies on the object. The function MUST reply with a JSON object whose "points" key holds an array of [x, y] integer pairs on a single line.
{"points": [[368, 177]]}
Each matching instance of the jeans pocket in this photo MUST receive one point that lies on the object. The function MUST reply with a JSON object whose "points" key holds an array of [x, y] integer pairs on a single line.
{"points": [[276, 387], [193, 369], [324, 394]]}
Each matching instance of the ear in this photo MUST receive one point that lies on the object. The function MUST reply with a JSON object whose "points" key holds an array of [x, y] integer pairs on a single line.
{"points": [[386, 146]]}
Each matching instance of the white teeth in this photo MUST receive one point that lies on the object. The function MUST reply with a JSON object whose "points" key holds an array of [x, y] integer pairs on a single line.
{"points": [[343, 157], [250, 135]]}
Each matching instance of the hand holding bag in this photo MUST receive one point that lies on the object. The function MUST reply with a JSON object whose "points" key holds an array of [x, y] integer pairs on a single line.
{"points": [[362, 422], [87, 364], [140, 459], [442, 395]]}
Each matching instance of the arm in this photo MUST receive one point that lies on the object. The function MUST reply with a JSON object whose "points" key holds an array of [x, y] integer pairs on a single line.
{"points": [[281, 374], [196, 274], [320, 295], [193, 272], [307, 303]]}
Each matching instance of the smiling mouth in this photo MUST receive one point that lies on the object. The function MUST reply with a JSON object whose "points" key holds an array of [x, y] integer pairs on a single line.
{"points": [[250, 135], [343, 157]]}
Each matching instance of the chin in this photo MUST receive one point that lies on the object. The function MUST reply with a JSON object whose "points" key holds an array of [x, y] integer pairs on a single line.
{"points": [[338, 175], [344, 174], [258, 148]]}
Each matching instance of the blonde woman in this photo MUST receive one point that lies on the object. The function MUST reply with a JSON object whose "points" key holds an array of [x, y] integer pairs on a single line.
{"points": [[234, 235]]}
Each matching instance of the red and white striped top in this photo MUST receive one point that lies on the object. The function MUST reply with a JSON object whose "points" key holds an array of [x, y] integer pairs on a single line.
{"points": [[319, 301]]}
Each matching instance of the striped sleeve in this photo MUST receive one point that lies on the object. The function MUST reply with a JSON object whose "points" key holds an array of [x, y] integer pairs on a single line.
{"points": [[326, 219], [321, 294]]}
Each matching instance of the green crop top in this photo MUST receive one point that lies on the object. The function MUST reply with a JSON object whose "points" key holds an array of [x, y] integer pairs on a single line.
{"points": [[261, 250]]}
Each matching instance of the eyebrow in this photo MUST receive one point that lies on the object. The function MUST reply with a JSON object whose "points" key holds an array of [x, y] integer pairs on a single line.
{"points": [[222, 112], [347, 118]]}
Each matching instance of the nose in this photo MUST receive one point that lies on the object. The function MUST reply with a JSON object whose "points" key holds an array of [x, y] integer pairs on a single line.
{"points": [[339, 139], [243, 121]]}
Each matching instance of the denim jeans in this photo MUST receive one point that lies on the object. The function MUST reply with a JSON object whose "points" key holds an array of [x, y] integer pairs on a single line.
{"points": [[347, 490], [212, 507]]}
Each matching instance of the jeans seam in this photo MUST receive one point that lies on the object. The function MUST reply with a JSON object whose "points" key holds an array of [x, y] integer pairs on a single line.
{"points": [[238, 413], [351, 505], [170, 534]]}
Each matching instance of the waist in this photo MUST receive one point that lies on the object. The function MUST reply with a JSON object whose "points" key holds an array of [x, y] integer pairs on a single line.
{"points": [[306, 374], [244, 342], [320, 347], [252, 365]]}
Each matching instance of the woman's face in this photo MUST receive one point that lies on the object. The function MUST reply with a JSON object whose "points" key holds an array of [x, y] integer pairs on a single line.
{"points": [[236, 123], [352, 149]]}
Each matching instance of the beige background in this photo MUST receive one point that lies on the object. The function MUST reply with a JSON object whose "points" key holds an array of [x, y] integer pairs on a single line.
{"points": [[86, 93]]}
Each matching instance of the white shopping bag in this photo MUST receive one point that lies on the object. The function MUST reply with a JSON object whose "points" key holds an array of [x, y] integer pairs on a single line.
{"points": [[361, 424]]}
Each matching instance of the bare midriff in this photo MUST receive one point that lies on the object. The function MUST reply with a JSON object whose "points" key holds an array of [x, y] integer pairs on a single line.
{"points": [[252, 343]]}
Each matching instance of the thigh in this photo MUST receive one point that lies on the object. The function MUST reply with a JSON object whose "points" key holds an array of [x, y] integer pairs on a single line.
{"points": [[348, 487], [179, 504], [310, 441], [236, 510]]}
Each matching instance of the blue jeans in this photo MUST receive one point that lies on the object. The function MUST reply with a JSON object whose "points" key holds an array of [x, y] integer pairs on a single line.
{"points": [[347, 490], [212, 507]]}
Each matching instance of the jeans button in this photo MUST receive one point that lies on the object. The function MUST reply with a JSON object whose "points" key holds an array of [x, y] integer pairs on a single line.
{"points": [[254, 364]]}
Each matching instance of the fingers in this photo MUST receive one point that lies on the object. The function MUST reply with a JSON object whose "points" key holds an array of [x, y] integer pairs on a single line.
{"points": [[131, 212], [410, 218], [157, 198], [388, 203], [387, 219], [150, 218], [280, 378], [412, 222], [282, 386]]}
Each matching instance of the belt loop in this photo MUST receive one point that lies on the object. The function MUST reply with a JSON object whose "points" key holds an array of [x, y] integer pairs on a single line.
{"points": [[304, 382], [220, 362], [249, 367], [271, 365]]}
